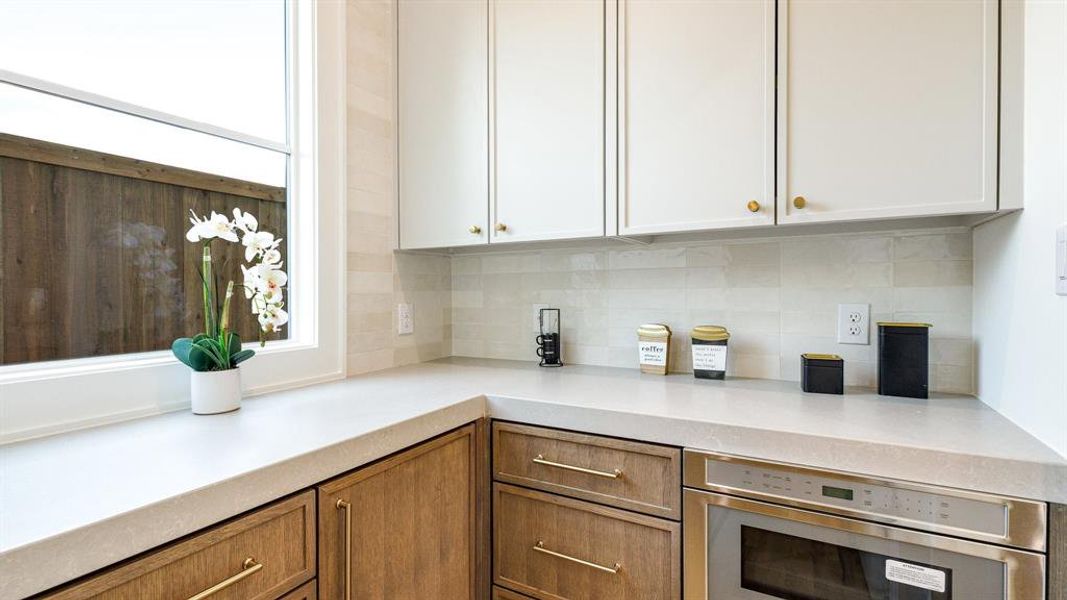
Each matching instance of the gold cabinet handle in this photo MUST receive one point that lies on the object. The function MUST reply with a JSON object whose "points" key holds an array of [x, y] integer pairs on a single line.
{"points": [[347, 508], [753, 206], [540, 547], [501, 227], [540, 459], [799, 202], [475, 229], [250, 567]]}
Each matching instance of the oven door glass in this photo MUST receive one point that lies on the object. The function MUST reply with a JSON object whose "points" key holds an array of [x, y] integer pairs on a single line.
{"points": [[753, 556]]}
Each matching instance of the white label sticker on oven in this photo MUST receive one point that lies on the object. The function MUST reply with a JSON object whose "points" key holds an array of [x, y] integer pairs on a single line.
{"points": [[707, 357], [915, 575], [652, 353]]}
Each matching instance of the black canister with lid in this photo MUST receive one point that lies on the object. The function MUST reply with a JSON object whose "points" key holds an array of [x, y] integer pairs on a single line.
{"points": [[904, 359], [822, 373], [709, 351]]}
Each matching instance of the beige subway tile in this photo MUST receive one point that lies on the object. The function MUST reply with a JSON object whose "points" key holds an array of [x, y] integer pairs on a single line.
{"points": [[574, 261], [754, 366], [945, 324], [511, 263], [358, 363], [466, 265], [705, 277], [647, 258], [366, 322], [952, 379], [467, 299], [659, 299], [837, 275], [942, 246], [823, 250], [955, 299], [932, 273], [753, 276], [651, 279], [707, 256], [753, 253], [952, 351], [369, 262], [369, 282]]}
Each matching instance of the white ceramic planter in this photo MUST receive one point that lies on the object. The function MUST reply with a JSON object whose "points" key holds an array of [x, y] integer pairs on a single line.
{"points": [[215, 392]]}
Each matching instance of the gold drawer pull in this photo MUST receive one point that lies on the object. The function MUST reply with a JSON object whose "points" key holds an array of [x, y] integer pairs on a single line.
{"points": [[540, 547], [347, 508], [249, 567], [612, 475]]}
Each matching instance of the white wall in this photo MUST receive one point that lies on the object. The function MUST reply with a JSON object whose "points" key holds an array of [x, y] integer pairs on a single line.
{"points": [[1020, 325]]}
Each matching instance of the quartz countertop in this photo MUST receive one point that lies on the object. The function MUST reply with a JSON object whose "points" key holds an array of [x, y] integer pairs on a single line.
{"points": [[125, 488]]}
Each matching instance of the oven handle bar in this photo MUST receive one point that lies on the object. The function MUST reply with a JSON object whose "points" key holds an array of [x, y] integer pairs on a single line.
{"points": [[1024, 570]]}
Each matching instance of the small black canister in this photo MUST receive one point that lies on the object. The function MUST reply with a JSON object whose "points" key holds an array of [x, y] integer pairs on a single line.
{"points": [[822, 373], [904, 359], [710, 351]]}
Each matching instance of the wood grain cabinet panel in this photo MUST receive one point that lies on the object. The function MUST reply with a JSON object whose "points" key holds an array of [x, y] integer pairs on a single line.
{"points": [[279, 537], [404, 527], [556, 548], [500, 593], [648, 478], [308, 591]]}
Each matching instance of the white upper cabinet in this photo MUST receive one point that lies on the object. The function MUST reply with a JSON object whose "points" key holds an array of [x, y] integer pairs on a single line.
{"points": [[548, 104], [887, 108], [696, 114], [443, 115]]}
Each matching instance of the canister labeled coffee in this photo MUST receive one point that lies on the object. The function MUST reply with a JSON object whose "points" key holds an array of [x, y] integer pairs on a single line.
{"points": [[653, 348]]}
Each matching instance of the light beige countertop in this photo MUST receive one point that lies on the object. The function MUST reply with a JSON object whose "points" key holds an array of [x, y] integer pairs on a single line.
{"points": [[76, 502]]}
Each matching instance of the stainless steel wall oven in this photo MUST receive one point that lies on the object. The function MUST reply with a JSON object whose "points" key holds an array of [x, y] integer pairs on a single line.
{"points": [[762, 530]]}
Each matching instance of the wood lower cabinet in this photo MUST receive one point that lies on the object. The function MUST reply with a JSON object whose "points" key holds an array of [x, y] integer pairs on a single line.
{"points": [[259, 556], [308, 591], [500, 593], [554, 548], [405, 527]]}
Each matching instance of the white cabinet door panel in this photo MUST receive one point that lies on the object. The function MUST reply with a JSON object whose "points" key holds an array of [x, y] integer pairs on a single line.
{"points": [[696, 107], [548, 119], [443, 114], [887, 108]]}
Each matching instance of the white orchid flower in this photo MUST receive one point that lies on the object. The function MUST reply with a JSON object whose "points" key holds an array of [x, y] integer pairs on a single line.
{"points": [[215, 226], [244, 221], [273, 257], [258, 243], [270, 279], [272, 317]]}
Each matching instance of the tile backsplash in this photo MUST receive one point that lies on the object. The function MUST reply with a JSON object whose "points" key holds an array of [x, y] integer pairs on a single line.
{"points": [[777, 296]]}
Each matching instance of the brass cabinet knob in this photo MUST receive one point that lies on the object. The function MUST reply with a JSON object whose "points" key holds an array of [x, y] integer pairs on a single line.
{"points": [[753, 206], [475, 229], [501, 227], [799, 202]]}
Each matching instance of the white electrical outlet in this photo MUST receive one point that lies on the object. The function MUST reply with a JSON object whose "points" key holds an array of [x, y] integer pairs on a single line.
{"points": [[536, 323], [853, 323], [405, 319]]}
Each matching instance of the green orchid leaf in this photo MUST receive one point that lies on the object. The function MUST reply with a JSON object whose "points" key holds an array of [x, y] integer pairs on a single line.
{"points": [[191, 355]]}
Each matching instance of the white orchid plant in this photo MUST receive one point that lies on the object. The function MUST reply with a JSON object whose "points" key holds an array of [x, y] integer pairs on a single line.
{"points": [[218, 348]]}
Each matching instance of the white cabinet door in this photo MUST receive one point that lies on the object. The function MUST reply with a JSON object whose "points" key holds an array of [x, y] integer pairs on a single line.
{"points": [[696, 114], [887, 108], [548, 118], [443, 121]]}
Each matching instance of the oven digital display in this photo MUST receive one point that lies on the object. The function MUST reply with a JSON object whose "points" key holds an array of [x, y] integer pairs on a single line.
{"points": [[836, 492]]}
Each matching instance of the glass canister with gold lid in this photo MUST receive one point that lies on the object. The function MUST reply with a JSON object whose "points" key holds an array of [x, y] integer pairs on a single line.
{"points": [[654, 348], [710, 351]]}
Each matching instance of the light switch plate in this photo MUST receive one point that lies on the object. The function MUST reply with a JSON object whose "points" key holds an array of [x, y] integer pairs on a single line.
{"points": [[405, 320], [854, 324], [1061, 260]]}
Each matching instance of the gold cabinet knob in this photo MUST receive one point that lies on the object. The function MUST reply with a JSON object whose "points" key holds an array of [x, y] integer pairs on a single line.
{"points": [[753, 206], [475, 229], [501, 227], [799, 202]]}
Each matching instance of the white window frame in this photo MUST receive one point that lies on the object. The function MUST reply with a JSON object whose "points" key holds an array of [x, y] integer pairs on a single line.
{"points": [[44, 398]]}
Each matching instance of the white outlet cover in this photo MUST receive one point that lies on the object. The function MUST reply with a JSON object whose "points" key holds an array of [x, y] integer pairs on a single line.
{"points": [[854, 324], [405, 320]]}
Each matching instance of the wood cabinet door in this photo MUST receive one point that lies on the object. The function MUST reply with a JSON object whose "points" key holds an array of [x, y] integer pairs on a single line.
{"points": [[887, 108], [404, 527], [696, 114], [548, 106], [443, 122]]}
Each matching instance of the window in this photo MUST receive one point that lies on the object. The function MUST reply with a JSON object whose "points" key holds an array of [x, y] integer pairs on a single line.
{"points": [[115, 118]]}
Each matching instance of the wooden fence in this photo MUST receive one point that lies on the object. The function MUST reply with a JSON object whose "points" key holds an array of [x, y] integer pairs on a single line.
{"points": [[93, 255]]}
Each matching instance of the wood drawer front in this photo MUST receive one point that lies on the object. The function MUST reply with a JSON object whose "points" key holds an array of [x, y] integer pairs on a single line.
{"points": [[646, 549], [649, 482], [500, 593], [279, 536], [308, 591]]}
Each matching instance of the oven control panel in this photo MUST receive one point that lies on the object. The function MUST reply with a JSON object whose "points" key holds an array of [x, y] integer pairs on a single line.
{"points": [[881, 500]]}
